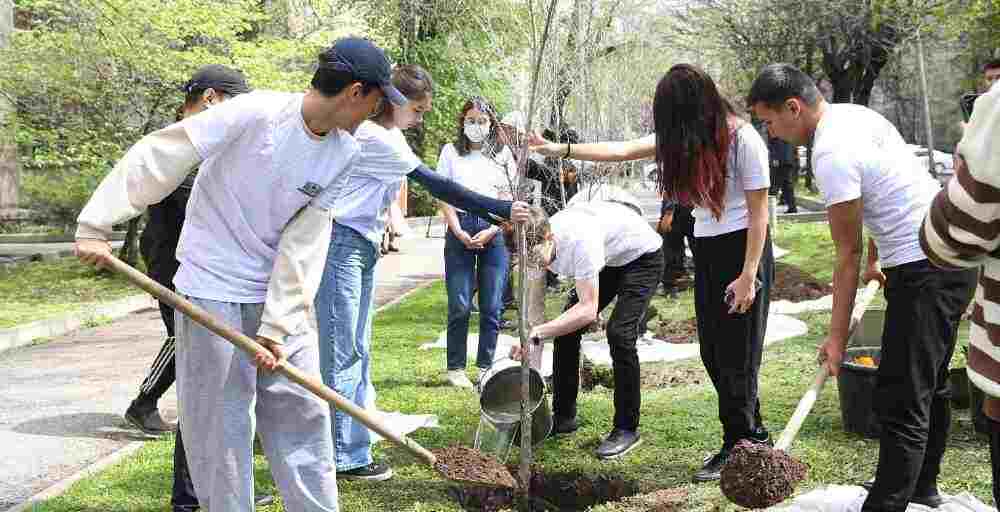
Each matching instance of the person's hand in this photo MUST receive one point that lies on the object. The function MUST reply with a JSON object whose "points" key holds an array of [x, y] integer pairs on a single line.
{"points": [[93, 251], [485, 236], [742, 292], [539, 145], [520, 212], [466, 240], [271, 359], [515, 352], [666, 222], [831, 353], [873, 271]]}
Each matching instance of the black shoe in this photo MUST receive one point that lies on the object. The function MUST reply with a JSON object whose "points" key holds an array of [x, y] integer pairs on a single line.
{"points": [[792, 210], [712, 470], [761, 436], [562, 426], [618, 443], [374, 472], [931, 499], [147, 420]]}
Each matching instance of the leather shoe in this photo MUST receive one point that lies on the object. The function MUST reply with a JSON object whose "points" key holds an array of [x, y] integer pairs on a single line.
{"points": [[564, 425], [932, 499], [618, 443], [712, 470]]}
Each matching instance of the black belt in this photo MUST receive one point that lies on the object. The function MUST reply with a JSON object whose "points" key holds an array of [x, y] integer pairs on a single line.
{"points": [[633, 207]]}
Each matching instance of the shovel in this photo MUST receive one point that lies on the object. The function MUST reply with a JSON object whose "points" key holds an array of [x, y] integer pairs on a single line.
{"points": [[450, 461], [757, 476]]}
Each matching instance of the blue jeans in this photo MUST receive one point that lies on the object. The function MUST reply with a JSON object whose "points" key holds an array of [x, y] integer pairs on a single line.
{"points": [[344, 306], [463, 268]]}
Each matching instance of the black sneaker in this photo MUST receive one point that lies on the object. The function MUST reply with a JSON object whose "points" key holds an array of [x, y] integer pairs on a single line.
{"points": [[374, 472], [712, 469], [148, 421], [618, 443], [761, 436], [561, 426]]}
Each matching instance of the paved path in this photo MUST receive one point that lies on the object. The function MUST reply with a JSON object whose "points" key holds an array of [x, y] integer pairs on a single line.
{"points": [[61, 402]]}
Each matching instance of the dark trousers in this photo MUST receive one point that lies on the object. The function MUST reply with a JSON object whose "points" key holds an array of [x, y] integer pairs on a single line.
{"points": [[995, 458], [732, 344], [924, 307], [674, 258], [634, 285], [783, 181]]}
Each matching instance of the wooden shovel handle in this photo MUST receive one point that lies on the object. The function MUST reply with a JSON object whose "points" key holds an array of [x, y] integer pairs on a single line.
{"points": [[809, 399], [244, 342]]}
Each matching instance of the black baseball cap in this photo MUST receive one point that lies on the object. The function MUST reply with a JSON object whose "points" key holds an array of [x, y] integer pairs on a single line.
{"points": [[218, 77], [367, 62]]}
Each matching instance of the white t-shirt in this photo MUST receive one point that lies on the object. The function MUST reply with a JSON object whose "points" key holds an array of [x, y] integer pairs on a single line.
{"points": [[746, 169], [491, 177], [374, 180], [261, 165], [593, 235], [857, 153]]}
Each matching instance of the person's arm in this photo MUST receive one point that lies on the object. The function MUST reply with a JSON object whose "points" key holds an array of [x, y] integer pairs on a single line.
{"points": [[147, 173], [845, 229], [495, 211], [958, 231], [620, 151], [582, 314], [744, 288]]}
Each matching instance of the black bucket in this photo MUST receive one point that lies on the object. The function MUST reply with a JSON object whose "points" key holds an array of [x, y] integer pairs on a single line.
{"points": [[979, 420], [958, 381], [856, 386]]}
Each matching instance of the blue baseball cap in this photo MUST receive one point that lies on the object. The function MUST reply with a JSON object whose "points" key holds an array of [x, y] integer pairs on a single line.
{"points": [[367, 62]]}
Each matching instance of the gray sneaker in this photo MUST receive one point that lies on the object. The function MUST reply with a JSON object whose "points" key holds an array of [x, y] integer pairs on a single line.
{"points": [[374, 472]]}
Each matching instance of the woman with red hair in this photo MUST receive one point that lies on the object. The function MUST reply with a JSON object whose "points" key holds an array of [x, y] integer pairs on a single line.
{"points": [[713, 160]]}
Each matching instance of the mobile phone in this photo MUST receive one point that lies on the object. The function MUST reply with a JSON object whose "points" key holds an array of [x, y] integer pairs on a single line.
{"points": [[967, 102], [730, 296]]}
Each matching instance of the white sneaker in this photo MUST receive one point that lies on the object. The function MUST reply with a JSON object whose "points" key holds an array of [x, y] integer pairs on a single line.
{"points": [[459, 379], [480, 375]]}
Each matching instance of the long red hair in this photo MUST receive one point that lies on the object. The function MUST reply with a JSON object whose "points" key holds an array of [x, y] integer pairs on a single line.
{"points": [[693, 137]]}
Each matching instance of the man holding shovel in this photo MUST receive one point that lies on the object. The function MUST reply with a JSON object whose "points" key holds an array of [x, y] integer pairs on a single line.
{"points": [[252, 252], [960, 232], [868, 177]]}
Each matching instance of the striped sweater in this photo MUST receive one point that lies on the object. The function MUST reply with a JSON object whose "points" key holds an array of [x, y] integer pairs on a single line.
{"points": [[962, 230]]}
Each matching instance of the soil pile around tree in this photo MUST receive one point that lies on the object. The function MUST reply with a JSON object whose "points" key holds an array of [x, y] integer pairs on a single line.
{"points": [[463, 464], [757, 476], [793, 284], [549, 492]]}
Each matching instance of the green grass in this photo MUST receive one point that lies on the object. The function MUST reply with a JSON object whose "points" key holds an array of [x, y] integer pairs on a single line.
{"points": [[44, 289], [679, 425]]}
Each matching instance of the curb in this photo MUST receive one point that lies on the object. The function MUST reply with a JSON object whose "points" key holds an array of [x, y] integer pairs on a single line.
{"points": [[20, 336], [61, 486]]}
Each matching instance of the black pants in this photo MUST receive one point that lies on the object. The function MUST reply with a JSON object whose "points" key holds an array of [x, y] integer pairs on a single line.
{"points": [[924, 307], [783, 181], [732, 344], [159, 250], [995, 459], [673, 245], [634, 285]]}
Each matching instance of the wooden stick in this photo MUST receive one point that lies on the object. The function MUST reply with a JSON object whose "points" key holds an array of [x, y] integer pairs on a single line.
{"points": [[809, 399], [250, 346]]}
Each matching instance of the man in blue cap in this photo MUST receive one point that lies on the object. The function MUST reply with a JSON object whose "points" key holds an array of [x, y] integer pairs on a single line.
{"points": [[252, 253]]}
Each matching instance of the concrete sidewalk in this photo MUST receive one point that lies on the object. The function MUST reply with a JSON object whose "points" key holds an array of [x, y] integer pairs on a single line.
{"points": [[61, 402]]}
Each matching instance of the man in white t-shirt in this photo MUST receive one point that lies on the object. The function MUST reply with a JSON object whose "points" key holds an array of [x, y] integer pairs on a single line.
{"points": [[869, 177], [252, 252], [611, 253]]}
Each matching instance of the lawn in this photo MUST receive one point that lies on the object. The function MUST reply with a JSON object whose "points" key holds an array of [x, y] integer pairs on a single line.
{"points": [[679, 423], [44, 289]]}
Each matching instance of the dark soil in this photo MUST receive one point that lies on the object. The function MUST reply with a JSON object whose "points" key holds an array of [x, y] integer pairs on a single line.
{"points": [[549, 493], [463, 464], [757, 476], [664, 500], [793, 284], [677, 331], [651, 376]]}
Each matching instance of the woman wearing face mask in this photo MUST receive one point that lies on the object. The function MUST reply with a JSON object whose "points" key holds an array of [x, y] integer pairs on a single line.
{"points": [[474, 252], [344, 302]]}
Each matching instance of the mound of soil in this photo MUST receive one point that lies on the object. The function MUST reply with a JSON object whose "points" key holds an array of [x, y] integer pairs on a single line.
{"points": [[664, 500], [464, 464], [651, 376], [549, 492], [793, 284], [757, 476], [677, 331]]}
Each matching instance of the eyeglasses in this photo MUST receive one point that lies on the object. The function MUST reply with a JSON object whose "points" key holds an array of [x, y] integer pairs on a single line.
{"points": [[482, 121]]}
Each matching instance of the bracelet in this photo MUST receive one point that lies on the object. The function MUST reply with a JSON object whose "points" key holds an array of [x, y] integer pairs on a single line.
{"points": [[569, 145]]}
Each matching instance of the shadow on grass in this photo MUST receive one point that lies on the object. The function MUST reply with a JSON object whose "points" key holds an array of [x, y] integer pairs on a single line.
{"points": [[93, 425]]}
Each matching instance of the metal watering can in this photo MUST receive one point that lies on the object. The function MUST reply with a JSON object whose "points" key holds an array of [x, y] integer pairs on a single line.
{"points": [[500, 409]]}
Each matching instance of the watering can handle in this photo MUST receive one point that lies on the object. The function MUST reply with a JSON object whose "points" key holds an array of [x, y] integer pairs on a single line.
{"points": [[809, 399]]}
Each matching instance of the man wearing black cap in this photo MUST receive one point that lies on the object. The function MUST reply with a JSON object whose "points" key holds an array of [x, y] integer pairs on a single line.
{"points": [[251, 254]]}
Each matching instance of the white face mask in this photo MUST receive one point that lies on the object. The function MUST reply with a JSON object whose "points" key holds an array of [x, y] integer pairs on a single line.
{"points": [[477, 132]]}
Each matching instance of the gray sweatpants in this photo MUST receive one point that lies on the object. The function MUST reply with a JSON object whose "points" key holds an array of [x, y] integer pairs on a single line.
{"points": [[223, 398]]}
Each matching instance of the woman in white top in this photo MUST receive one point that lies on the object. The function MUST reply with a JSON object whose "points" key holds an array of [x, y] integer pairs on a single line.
{"points": [[710, 158], [474, 251]]}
